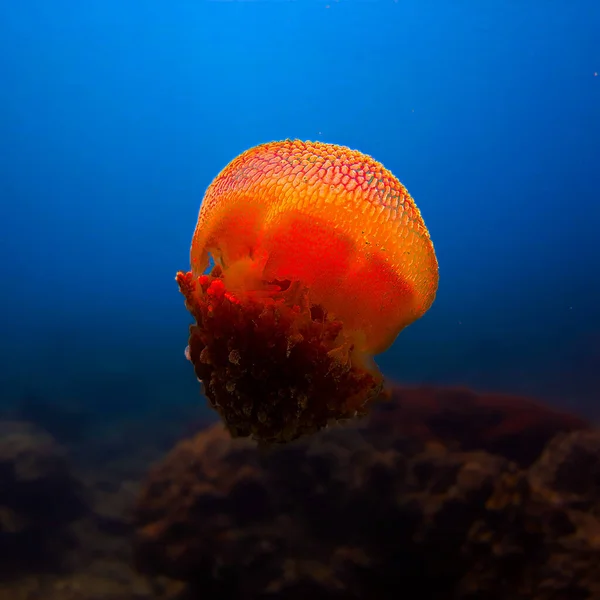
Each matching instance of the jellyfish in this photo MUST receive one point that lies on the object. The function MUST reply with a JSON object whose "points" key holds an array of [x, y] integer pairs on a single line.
{"points": [[307, 261]]}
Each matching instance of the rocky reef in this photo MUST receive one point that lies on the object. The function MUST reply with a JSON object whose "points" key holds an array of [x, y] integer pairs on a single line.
{"points": [[39, 498], [439, 493], [455, 494], [65, 513]]}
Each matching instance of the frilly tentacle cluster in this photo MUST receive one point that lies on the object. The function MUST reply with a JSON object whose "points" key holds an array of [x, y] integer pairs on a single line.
{"points": [[272, 366]]}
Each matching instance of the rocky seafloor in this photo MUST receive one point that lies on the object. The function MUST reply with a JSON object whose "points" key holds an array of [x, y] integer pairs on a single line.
{"points": [[438, 494]]}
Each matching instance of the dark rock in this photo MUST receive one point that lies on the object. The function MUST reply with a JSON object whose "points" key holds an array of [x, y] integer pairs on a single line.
{"points": [[514, 427], [38, 498], [404, 500]]}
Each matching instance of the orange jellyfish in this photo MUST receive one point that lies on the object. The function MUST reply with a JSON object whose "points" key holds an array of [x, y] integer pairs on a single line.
{"points": [[307, 260]]}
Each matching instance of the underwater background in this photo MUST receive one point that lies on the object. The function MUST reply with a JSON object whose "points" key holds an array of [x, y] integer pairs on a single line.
{"points": [[116, 116]]}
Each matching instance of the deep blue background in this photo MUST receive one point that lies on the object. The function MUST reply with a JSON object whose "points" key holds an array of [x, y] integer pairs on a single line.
{"points": [[116, 115]]}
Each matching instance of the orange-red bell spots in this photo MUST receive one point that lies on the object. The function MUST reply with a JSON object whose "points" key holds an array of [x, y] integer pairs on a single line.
{"points": [[330, 217]]}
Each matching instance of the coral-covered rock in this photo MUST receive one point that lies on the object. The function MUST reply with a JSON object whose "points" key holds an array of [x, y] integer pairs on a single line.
{"points": [[367, 510], [540, 535], [38, 498], [570, 466], [515, 427]]}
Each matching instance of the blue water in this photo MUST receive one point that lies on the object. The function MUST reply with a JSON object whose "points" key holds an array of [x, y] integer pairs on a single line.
{"points": [[115, 116]]}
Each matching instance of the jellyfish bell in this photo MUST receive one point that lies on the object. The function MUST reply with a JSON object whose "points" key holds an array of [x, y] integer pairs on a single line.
{"points": [[321, 258]]}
